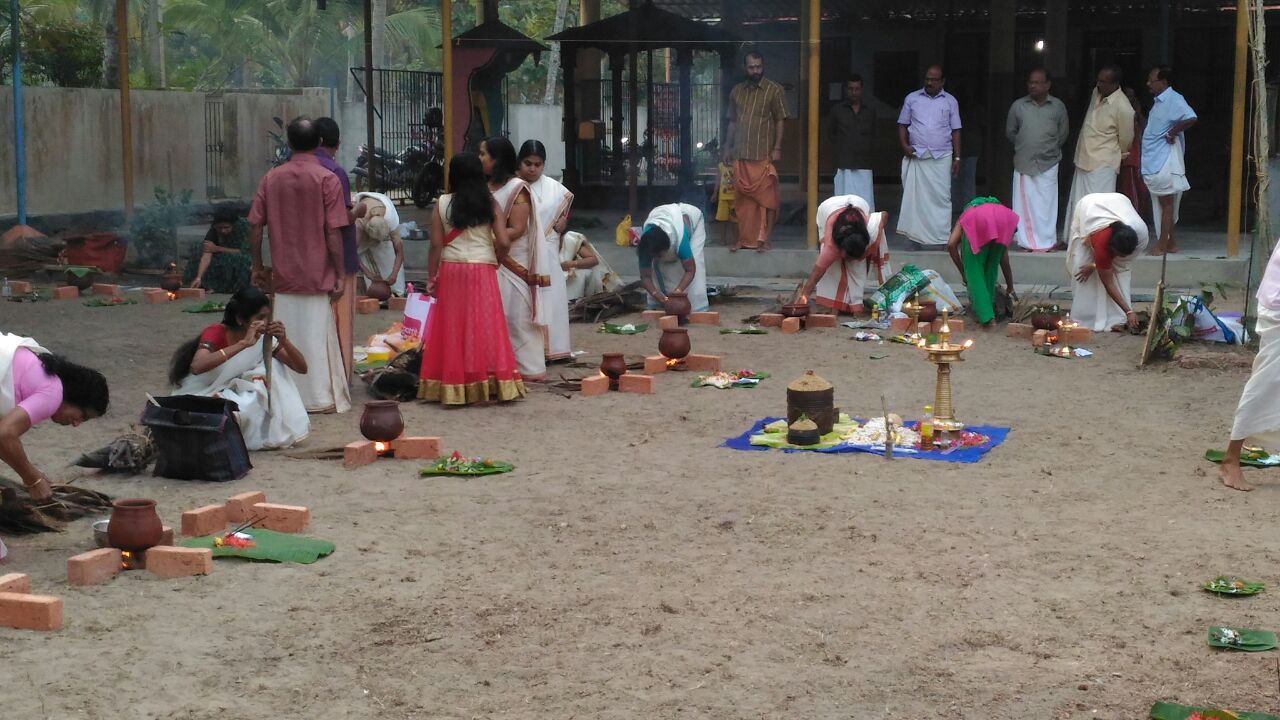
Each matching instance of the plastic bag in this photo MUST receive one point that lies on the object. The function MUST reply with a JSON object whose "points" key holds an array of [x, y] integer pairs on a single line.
{"points": [[1190, 312], [417, 311], [904, 283], [940, 292]]}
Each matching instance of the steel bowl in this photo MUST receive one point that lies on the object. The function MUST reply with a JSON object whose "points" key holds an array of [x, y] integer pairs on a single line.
{"points": [[100, 533]]}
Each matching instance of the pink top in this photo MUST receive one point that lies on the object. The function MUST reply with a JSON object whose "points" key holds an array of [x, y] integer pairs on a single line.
{"points": [[298, 202], [1269, 289], [38, 393], [986, 223]]}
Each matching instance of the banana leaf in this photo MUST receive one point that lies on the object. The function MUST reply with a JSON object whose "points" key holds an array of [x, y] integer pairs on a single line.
{"points": [[743, 331], [701, 382], [1247, 640], [1228, 585], [209, 306], [621, 329], [1252, 457], [439, 468], [1174, 711], [269, 546]]}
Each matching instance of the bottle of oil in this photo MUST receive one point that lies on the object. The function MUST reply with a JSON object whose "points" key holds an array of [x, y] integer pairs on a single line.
{"points": [[926, 427]]}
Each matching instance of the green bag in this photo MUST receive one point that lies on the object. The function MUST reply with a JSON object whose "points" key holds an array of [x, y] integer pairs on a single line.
{"points": [[906, 282]]}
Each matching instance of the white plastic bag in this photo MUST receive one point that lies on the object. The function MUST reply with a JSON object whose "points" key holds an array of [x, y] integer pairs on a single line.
{"points": [[417, 311], [940, 292], [1207, 326]]}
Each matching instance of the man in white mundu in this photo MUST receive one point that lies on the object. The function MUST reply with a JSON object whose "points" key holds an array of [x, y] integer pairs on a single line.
{"points": [[1104, 139], [1163, 144], [929, 133], [1037, 126], [1105, 234]]}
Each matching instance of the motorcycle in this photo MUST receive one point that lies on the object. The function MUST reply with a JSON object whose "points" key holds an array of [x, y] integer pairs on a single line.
{"points": [[281, 153], [418, 168]]}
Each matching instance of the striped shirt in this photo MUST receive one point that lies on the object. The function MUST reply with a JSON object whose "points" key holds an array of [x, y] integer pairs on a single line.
{"points": [[756, 110]]}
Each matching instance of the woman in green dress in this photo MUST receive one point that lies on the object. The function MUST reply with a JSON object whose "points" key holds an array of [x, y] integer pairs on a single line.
{"points": [[220, 264]]}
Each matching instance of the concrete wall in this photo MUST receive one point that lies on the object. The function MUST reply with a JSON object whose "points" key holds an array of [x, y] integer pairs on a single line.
{"points": [[73, 144]]}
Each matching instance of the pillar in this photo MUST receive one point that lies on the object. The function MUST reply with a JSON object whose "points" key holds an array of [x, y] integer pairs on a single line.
{"points": [[568, 61], [684, 59], [588, 71], [446, 87], [126, 109], [1000, 90], [1235, 190], [731, 22], [813, 33]]}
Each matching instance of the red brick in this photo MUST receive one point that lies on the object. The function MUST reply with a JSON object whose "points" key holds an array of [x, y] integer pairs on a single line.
{"points": [[65, 292], [702, 363], [633, 383], [15, 583], [820, 320], [30, 612], [417, 448], [771, 319], [356, 454], [107, 289], [397, 304], [1039, 337], [1076, 335], [205, 520], [155, 297], [655, 364], [191, 293], [20, 287], [240, 507], [282, 518], [704, 318], [791, 325], [595, 385], [166, 535], [899, 325], [1019, 330], [651, 316], [368, 305], [666, 322], [94, 567], [176, 562]]}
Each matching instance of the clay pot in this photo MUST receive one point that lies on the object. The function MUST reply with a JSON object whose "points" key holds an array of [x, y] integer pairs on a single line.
{"points": [[678, 304], [613, 366], [379, 290], [795, 310], [134, 524], [171, 281], [381, 421], [928, 311], [81, 283], [1046, 320], [674, 343]]}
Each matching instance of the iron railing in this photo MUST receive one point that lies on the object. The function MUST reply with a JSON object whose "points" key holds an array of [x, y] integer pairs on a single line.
{"points": [[214, 147], [401, 101]]}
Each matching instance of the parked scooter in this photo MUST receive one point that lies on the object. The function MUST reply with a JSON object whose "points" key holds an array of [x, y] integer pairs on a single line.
{"points": [[418, 168], [281, 152]]}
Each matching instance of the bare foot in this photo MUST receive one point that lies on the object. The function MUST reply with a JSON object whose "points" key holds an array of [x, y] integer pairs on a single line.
{"points": [[1233, 478], [1173, 248], [1156, 251]]}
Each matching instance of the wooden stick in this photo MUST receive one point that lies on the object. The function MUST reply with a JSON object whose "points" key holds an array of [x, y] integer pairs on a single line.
{"points": [[888, 431], [266, 351]]}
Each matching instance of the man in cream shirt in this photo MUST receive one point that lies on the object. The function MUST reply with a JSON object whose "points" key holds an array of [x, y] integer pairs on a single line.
{"points": [[1104, 138]]}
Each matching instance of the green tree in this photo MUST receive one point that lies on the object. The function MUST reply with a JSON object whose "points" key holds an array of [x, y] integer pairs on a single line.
{"points": [[68, 53]]}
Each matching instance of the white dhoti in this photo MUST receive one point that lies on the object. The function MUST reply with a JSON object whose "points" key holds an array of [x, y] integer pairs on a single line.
{"points": [[1087, 182], [312, 328], [1169, 180], [1091, 306], [844, 284], [926, 200], [669, 268], [380, 257], [1258, 414], [1035, 200], [857, 182], [556, 296], [581, 282]]}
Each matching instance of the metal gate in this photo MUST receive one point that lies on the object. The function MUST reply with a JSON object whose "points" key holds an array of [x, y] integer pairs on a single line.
{"points": [[214, 147], [401, 100]]}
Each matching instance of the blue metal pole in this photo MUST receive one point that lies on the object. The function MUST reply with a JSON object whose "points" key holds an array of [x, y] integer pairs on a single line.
{"points": [[19, 141]]}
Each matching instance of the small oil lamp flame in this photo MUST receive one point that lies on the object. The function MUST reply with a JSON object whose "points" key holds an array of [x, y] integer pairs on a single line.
{"points": [[672, 362], [968, 343], [381, 447], [126, 560], [173, 295]]}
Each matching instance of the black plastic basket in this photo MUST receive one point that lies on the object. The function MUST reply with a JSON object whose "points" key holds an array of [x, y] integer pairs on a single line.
{"points": [[197, 438]]}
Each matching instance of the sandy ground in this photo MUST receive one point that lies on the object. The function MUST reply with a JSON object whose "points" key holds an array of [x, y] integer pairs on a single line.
{"points": [[630, 568]]}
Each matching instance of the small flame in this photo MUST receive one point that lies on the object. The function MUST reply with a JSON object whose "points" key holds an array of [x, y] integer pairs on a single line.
{"points": [[173, 296], [381, 447], [920, 342], [968, 343], [672, 362], [126, 559]]}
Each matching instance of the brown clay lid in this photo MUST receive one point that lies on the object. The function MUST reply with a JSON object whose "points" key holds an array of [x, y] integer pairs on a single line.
{"points": [[804, 424], [809, 382]]}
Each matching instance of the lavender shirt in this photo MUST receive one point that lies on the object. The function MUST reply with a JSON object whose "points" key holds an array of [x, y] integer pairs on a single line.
{"points": [[349, 260], [929, 122]]}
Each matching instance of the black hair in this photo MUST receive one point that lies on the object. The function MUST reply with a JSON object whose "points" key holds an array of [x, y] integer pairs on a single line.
{"points": [[471, 205], [1164, 72], [243, 305], [82, 387], [854, 77], [849, 233], [1117, 75], [1123, 239], [329, 132], [653, 242], [224, 214], [533, 147], [302, 134], [1043, 71], [753, 54], [504, 158], [942, 74]]}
